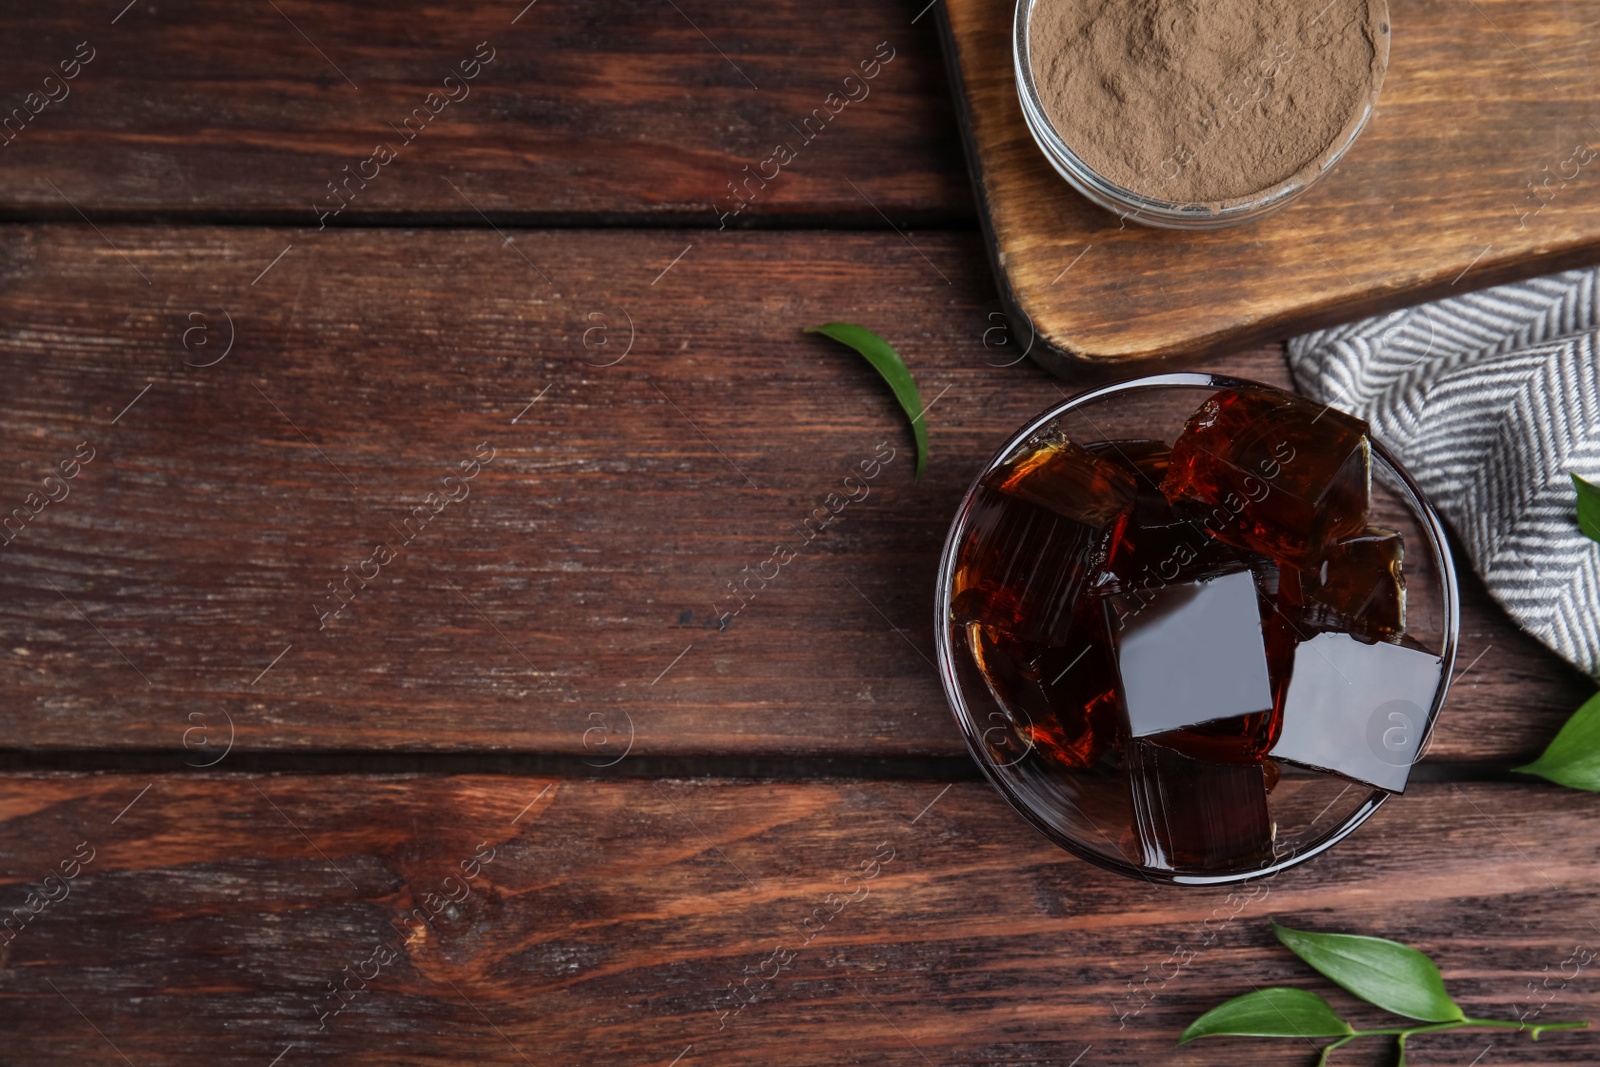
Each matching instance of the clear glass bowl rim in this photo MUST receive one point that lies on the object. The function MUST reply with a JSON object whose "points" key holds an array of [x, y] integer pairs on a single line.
{"points": [[1407, 488]]}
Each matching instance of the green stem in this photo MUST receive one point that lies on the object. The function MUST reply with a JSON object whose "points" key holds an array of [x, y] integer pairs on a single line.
{"points": [[1401, 1033], [1327, 1049]]}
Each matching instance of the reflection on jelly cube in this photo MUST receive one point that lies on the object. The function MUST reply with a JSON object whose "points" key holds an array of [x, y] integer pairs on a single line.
{"points": [[1239, 739], [1157, 545], [1061, 702], [1145, 459], [1192, 653], [1007, 728], [1277, 475], [1093, 804], [1022, 568], [1068, 480], [1357, 709], [1281, 632], [1358, 588], [1198, 816]]}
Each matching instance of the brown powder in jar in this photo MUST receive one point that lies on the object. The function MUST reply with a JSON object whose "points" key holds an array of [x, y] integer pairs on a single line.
{"points": [[1206, 101]]}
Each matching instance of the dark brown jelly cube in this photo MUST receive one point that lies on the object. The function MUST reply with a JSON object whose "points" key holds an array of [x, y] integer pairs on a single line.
{"points": [[1358, 588], [1069, 480], [1061, 702], [1192, 661], [1022, 568], [1145, 459], [1197, 816], [1280, 630], [1158, 548], [1156, 545], [1278, 475], [1094, 804], [1240, 739], [1357, 709], [1005, 730], [1042, 523]]}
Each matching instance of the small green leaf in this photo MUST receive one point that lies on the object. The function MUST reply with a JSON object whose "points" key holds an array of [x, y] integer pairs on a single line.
{"points": [[1573, 758], [1276, 1012], [886, 361], [1393, 976], [1588, 507]]}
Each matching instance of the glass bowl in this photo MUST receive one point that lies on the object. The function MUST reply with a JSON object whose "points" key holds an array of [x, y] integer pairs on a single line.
{"points": [[1311, 810], [1168, 214]]}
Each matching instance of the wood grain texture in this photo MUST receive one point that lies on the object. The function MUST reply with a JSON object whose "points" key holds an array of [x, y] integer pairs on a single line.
{"points": [[1479, 102], [613, 917], [590, 111], [573, 597]]}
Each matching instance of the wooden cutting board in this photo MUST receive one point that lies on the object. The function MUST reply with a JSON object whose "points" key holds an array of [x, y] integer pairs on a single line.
{"points": [[1474, 170]]}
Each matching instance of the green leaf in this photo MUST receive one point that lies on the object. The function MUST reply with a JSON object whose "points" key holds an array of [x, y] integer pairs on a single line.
{"points": [[1588, 507], [1393, 976], [1276, 1012], [886, 361], [1573, 758]]}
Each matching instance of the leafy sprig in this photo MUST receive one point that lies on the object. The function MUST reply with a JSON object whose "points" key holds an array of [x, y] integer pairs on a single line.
{"points": [[1573, 758], [887, 362], [1392, 976]]}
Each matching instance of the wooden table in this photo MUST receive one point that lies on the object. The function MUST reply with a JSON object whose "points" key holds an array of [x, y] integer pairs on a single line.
{"points": [[524, 723]]}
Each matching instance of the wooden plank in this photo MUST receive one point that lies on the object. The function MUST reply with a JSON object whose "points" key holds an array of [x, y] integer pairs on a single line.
{"points": [[1480, 106], [611, 920], [593, 111], [573, 597]]}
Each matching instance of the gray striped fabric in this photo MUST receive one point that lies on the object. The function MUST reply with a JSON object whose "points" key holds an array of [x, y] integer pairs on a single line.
{"points": [[1490, 399]]}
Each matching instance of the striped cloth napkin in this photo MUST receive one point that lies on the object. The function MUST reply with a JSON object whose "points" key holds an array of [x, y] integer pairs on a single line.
{"points": [[1490, 399]]}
